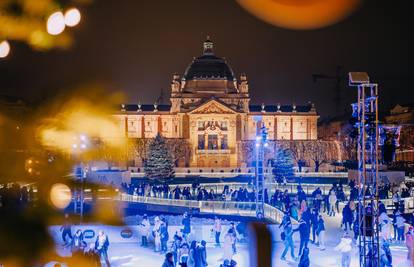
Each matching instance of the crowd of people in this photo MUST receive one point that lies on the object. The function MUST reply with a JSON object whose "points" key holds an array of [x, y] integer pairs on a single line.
{"points": [[280, 199], [92, 253], [195, 192], [182, 250], [311, 228], [14, 196], [307, 209]]}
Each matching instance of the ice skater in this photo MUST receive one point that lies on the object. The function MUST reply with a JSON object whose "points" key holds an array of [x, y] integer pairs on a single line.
{"points": [[286, 236], [66, 230], [217, 230], [145, 230], [101, 245], [345, 247], [321, 233]]}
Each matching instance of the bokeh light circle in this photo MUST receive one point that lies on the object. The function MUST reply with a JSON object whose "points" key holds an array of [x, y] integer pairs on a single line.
{"points": [[300, 14], [72, 17], [4, 49], [56, 23], [60, 195]]}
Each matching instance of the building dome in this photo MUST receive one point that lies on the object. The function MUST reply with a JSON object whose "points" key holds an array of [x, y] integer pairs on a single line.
{"points": [[209, 74], [209, 67]]}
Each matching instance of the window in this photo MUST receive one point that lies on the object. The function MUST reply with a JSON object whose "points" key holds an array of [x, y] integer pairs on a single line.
{"points": [[212, 141], [201, 141], [200, 125], [223, 125], [176, 128], [224, 142]]}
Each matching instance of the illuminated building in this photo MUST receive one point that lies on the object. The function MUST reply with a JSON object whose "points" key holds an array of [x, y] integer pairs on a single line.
{"points": [[211, 109]]}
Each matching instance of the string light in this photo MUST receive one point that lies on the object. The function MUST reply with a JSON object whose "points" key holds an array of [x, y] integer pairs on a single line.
{"points": [[4, 49], [72, 17], [56, 23]]}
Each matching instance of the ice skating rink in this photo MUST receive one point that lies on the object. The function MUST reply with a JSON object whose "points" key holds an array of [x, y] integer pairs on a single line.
{"points": [[123, 254]]}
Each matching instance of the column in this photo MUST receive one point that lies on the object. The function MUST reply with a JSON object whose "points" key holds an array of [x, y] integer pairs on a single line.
{"points": [[219, 136], [275, 128], [126, 126], [205, 141]]}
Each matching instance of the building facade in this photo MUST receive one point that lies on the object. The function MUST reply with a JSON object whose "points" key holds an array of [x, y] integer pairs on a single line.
{"points": [[211, 109], [403, 116]]}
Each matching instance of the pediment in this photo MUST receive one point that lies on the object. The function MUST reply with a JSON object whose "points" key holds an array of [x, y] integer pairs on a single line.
{"points": [[212, 107]]}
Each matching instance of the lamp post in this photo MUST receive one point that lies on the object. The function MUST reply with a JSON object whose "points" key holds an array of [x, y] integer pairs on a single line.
{"points": [[261, 144], [79, 145]]}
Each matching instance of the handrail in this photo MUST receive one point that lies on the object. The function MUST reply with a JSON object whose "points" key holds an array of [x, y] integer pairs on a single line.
{"points": [[291, 187], [247, 209]]}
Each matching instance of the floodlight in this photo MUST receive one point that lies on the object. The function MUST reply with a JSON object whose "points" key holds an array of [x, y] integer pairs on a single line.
{"points": [[358, 78]]}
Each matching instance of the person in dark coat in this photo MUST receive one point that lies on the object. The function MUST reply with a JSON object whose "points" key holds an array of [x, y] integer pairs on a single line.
{"points": [[304, 233], [314, 223], [306, 216], [286, 236], [202, 253], [164, 236], [385, 255], [187, 225], [320, 231], [175, 247], [347, 217], [168, 262], [234, 238], [78, 244], [304, 259], [381, 207], [301, 195]]}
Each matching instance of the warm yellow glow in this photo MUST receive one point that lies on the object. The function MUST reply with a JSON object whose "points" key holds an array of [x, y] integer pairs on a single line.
{"points": [[76, 119], [4, 49], [72, 17], [56, 23], [300, 14], [60, 195]]}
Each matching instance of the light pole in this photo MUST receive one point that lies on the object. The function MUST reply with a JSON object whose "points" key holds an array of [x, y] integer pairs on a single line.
{"points": [[365, 114], [79, 145], [261, 144]]}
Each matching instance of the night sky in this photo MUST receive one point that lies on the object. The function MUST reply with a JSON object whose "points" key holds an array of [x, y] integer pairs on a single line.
{"points": [[135, 47]]}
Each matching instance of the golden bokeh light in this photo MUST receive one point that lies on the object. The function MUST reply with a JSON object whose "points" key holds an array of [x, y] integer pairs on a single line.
{"points": [[60, 195], [300, 14], [77, 118], [72, 17], [55, 23], [4, 49]]}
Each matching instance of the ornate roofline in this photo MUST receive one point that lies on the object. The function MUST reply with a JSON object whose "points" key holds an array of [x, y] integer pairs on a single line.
{"points": [[220, 108]]}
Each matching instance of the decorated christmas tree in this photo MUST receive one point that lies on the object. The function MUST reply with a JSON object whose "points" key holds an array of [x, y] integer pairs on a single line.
{"points": [[159, 164], [282, 164]]}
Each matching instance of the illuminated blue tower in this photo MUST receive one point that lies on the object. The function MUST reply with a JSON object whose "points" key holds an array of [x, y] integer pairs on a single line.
{"points": [[261, 144]]}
